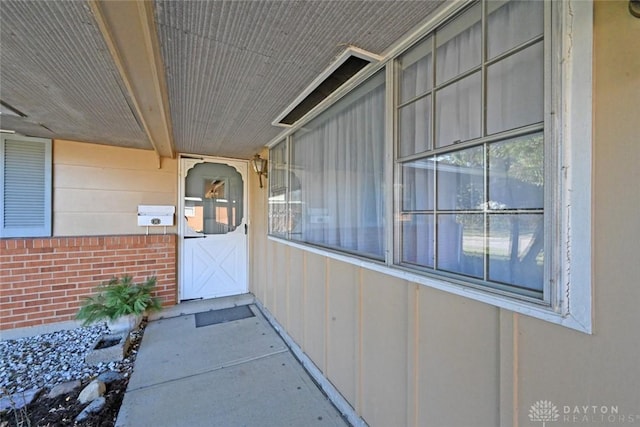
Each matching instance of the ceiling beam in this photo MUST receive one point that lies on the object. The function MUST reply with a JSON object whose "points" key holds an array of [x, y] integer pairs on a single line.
{"points": [[129, 30]]}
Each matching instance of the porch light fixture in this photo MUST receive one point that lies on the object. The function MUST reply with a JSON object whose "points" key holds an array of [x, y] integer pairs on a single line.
{"points": [[259, 166], [634, 8]]}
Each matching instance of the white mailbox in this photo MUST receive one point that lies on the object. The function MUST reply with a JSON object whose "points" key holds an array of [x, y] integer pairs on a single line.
{"points": [[155, 215]]}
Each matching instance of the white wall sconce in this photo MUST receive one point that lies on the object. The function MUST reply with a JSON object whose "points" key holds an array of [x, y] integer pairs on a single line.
{"points": [[260, 167]]}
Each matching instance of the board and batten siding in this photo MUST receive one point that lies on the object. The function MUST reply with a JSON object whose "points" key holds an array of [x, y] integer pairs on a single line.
{"points": [[405, 354], [97, 188]]}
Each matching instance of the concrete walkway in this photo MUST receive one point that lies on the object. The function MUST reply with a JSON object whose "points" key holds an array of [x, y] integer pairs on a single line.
{"points": [[238, 373]]}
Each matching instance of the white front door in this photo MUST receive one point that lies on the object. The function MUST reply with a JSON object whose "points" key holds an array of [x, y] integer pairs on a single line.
{"points": [[213, 228]]}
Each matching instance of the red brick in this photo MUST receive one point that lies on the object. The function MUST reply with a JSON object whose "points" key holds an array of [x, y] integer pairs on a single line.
{"points": [[23, 298], [103, 253], [69, 299], [27, 258], [126, 252], [83, 254], [54, 307], [52, 294], [37, 302], [27, 310], [23, 282], [12, 265], [51, 269], [103, 265], [124, 263], [41, 250], [9, 244], [83, 292], [41, 315], [29, 270], [67, 261], [88, 283], [11, 319], [28, 323], [58, 256], [63, 286], [21, 252], [68, 275], [66, 312], [47, 283]]}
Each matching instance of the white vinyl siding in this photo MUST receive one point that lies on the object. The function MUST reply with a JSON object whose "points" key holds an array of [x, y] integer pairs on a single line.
{"points": [[25, 186]]}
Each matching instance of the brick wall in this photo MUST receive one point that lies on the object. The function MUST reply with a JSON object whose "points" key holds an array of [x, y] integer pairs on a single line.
{"points": [[44, 280]]}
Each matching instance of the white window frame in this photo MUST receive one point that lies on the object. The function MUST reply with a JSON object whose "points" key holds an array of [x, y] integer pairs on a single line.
{"points": [[44, 229], [568, 120]]}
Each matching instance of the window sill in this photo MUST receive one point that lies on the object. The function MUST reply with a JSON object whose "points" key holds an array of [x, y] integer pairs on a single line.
{"points": [[538, 311]]}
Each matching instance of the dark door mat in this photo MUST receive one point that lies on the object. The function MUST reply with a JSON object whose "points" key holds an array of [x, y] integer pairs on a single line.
{"points": [[224, 315]]}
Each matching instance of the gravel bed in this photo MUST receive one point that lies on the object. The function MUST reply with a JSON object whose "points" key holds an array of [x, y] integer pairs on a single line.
{"points": [[44, 361]]}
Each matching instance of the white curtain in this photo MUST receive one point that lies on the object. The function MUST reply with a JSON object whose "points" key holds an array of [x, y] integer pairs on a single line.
{"points": [[339, 161], [415, 81], [458, 106]]}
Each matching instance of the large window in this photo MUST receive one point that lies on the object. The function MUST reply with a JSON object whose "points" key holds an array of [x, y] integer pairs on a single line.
{"points": [[471, 148], [487, 192], [25, 186], [335, 191]]}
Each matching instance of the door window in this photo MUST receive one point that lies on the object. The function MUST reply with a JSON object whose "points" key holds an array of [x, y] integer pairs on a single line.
{"points": [[213, 202]]}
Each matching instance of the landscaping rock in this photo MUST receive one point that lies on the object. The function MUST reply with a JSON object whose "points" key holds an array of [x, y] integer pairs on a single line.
{"points": [[94, 407], [63, 388], [109, 353], [110, 376], [19, 400], [94, 390]]}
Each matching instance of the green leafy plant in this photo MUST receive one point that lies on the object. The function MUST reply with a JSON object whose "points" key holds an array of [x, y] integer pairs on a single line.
{"points": [[119, 297]]}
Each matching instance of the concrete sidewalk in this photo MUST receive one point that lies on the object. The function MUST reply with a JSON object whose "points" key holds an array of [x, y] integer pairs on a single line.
{"points": [[238, 373]]}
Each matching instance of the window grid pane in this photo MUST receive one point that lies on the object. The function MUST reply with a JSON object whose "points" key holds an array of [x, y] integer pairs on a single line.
{"points": [[458, 45], [278, 203], [418, 245], [415, 127], [416, 72]]}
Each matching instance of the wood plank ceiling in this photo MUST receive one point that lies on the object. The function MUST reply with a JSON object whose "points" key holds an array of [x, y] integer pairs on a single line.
{"points": [[205, 77]]}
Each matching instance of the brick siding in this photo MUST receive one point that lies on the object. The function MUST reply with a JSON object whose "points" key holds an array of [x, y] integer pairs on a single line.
{"points": [[44, 280]]}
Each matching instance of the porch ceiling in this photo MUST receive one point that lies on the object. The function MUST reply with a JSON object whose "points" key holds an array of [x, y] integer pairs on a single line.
{"points": [[230, 67]]}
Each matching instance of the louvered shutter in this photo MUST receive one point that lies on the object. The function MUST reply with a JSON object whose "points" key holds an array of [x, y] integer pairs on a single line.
{"points": [[25, 184]]}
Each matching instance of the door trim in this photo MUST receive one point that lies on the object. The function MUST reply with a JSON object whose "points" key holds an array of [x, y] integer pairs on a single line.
{"points": [[185, 163]]}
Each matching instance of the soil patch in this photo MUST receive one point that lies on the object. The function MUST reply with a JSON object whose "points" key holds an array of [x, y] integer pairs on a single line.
{"points": [[63, 410]]}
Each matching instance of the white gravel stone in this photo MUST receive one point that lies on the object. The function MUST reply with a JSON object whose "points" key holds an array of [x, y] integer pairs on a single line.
{"points": [[50, 359]]}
